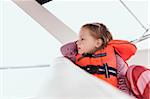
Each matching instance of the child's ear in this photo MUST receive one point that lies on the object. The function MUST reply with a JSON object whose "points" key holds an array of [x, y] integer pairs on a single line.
{"points": [[99, 43]]}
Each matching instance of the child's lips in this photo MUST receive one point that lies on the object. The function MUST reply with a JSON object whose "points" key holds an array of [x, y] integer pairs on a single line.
{"points": [[79, 48]]}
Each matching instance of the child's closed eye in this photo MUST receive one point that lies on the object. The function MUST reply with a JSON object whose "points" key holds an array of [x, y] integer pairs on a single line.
{"points": [[82, 39]]}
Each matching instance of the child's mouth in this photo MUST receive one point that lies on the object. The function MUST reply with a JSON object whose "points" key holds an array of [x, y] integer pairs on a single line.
{"points": [[79, 48]]}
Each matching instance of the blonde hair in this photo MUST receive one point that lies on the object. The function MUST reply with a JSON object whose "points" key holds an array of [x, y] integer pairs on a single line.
{"points": [[99, 31]]}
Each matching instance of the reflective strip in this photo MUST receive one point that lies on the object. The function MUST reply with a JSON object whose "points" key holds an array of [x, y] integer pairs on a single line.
{"points": [[94, 55], [112, 71], [101, 70], [99, 55], [105, 69]]}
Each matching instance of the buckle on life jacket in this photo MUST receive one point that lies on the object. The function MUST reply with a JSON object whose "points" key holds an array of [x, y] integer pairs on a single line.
{"points": [[105, 69]]}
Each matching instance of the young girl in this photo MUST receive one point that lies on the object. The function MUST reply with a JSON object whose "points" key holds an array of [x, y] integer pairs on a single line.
{"points": [[97, 53]]}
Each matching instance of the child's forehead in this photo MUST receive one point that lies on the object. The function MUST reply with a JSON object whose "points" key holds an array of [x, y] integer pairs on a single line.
{"points": [[84, 31], [84, 34]]}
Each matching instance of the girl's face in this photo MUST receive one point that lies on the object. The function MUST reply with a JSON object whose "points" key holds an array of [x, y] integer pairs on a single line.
{"points": [[87, 43]]}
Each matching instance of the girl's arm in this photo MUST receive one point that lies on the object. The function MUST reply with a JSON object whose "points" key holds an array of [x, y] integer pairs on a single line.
{"points": [[69, 50]]}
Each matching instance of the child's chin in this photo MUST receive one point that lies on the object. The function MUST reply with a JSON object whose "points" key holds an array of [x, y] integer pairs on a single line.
{"points": [[80, 52]]}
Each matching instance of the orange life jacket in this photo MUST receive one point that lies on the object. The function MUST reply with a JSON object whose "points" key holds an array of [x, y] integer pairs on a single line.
{"points": [[102, 63]]}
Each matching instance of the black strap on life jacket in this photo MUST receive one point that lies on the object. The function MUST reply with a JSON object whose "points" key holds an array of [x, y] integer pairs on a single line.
{"points": [[94, 55], [105, 69]]}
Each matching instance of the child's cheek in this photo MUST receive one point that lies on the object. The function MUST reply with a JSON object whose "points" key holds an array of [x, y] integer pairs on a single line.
{"points": [[80, 51]]}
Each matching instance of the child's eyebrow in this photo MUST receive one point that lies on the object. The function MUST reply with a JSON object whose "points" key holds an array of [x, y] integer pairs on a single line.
{"points": [[80, 35]]}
